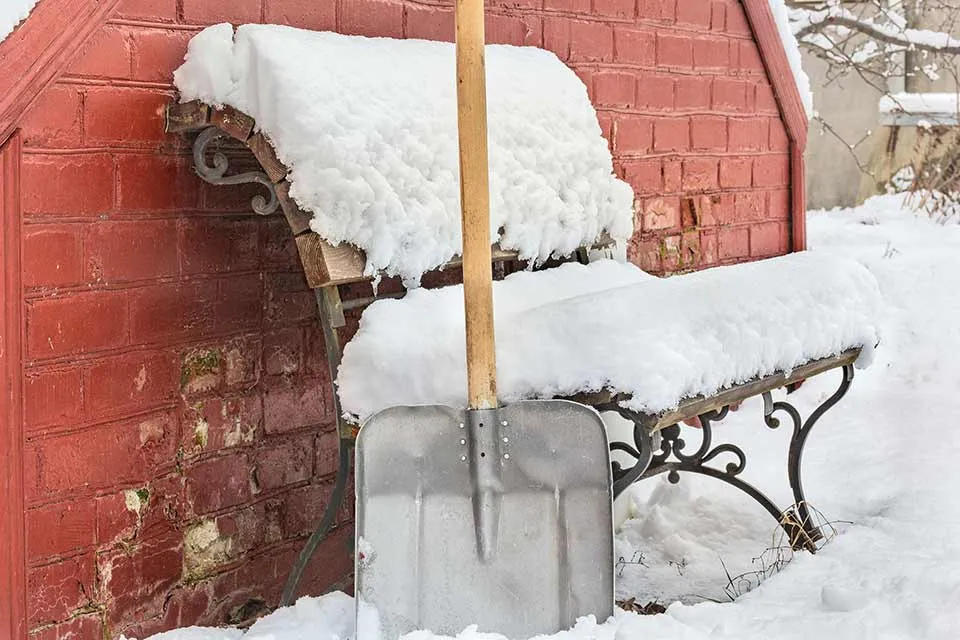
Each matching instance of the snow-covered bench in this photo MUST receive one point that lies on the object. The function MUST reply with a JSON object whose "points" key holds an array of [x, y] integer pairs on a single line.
{"points": [[364, 169]]}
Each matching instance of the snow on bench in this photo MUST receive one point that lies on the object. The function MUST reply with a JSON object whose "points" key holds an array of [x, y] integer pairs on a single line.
{"points": [[582, 328], [367, 128]]}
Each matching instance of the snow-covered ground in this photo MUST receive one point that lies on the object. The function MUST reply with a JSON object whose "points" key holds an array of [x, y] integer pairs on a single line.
{"points": [[885, 460]]}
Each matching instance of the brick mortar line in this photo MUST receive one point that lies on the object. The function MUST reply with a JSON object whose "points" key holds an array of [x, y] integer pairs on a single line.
{"points": [[65, 362], [186, 214], [128, 83]]}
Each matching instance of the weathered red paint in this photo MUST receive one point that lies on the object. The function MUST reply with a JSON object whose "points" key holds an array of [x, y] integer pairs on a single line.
{"points": [[173, 372], [13, 582]]}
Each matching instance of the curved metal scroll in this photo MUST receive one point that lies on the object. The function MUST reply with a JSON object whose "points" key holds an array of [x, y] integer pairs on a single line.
{"points": [[217, 172], [673, 457]]}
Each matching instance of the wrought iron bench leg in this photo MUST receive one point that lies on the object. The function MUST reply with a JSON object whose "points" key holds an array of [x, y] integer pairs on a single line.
{"points": [[673, 457]]}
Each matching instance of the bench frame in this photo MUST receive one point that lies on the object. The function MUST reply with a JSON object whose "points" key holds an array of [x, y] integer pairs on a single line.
{"points": [[334, 273]]}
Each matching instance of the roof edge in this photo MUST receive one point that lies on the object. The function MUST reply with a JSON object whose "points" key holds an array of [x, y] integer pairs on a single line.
{"points": [[779, 72], [32, 60]]}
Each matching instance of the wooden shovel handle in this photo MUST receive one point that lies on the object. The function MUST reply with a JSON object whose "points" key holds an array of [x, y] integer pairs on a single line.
{"points": [[475, 204]]}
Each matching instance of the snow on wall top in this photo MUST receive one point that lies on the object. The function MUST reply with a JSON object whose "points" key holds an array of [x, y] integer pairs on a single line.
{"points": [[782, 15], [610, 325], [12, 13], [921, 103], [368, 129]]}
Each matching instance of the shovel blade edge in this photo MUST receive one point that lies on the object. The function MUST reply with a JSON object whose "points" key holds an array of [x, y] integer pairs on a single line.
{"points": [[419, 563]]}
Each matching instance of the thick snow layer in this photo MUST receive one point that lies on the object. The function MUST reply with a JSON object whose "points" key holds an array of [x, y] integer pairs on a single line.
{"points": [[368, 129], [610, 325], [12, 13], [921, 103], [884, 459], [782, 15]]}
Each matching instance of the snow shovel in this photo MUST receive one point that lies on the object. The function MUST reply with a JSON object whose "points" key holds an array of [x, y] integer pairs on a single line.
{"points": [[494, 516]]}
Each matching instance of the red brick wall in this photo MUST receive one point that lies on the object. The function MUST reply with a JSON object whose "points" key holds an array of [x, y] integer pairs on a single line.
{"points": [[175, 383]]}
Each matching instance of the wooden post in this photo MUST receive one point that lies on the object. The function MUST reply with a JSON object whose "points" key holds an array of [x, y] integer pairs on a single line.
{"points": [[475, 204]]}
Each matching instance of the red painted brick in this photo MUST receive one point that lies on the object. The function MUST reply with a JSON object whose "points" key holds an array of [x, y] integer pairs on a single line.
{"points": [[115, 519], [119, 251], [51, 255], [284, 463], [60, 528], [711, 53], [708, 133], [130, 451], [733, 242], [217, 245], [138, 580], [764, 99], [289, 407], [645, 176], [586, 77], [735, 172], [54, 119], [771, 171], [133, 380], [158, 10], [729, 94], [56, 590], [645, 254], [750, 206], [106, 54], [671, 134], [778, 204], [556, 36], [327, 453], [114, 115], [768, 239], [578, 6], [156, 183], [76, 323], [302, 505], [699, 174], [659, 10], [615, 8], [736, 23], [672, 173], [778, 136], [590, 42], [289, 300], [88, 627], [748, 134], [157, 53], [372, 18], [693, 92], [78, 185], [52, 397], [229, 422], [283, 351], [636, 46], [750, 57], [708, 248], [214, 11], [220, 483], [655, 91], [661, 213], [634, 134], [695, 13], [718, 16], [519, 30], [614, 88], [674, 50], [306, 14], [429, 23], [194, 309]]}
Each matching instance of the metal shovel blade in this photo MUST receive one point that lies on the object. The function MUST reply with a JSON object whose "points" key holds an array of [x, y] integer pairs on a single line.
{"points": [[498, 517]]}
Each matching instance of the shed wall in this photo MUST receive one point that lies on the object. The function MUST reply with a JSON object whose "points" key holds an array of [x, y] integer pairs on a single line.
{"points": [[177, 411]]}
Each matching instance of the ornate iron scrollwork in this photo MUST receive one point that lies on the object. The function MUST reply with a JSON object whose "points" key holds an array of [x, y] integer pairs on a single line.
{"points": [[673, 456], [217, 172]]}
